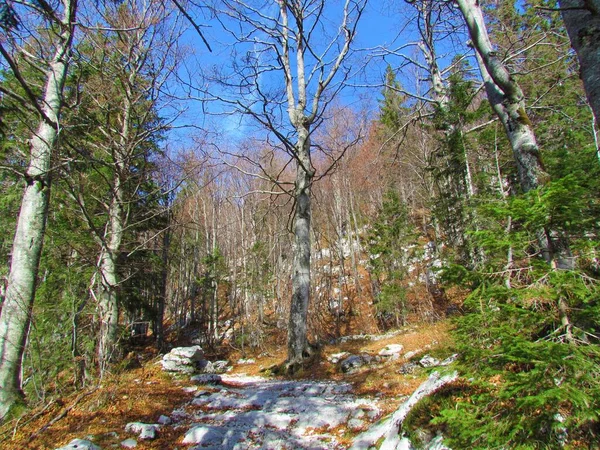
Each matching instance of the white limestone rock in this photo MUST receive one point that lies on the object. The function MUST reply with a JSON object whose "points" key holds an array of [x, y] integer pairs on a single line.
{"points": [[429, 361], [80, 444], [391, 350], [129, 443], [145, 431]]}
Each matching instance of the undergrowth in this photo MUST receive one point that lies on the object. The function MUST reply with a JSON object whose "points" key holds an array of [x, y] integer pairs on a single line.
{"points": [[529, 379]]}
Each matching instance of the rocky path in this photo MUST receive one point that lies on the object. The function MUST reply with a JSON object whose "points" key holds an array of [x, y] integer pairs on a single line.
{"points": [[241, 412]]}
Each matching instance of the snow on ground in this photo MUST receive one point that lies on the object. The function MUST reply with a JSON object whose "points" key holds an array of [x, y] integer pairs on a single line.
{"points": [[245, 412]]}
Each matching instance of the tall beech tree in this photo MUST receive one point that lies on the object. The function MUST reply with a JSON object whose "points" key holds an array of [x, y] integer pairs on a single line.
{"points": [[290, 65], [508, 102], [29, 235]]}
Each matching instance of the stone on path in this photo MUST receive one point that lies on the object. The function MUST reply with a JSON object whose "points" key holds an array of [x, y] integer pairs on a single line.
{"points": [[80, 444], [164, 420], [129, 443], [145, 431]]}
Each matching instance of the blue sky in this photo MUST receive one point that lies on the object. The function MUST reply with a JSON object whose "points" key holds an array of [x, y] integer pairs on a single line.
{"points": [[383, 24]]}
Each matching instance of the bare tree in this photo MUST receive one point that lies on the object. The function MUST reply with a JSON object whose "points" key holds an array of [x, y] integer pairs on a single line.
{"points": [[289, 64], [29, 235], [582, 20]]}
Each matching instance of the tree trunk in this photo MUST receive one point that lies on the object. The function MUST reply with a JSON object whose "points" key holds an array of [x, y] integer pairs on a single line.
{"points": [[507, 101], [297, 327], [108, 311], [29, 236], [583, 26], [162, 300]]}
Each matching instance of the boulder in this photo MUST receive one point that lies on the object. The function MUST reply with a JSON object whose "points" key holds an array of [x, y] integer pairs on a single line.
{"points": [[412, 353], [183, 359], [80, 444], [193, 353], [176, 366]]}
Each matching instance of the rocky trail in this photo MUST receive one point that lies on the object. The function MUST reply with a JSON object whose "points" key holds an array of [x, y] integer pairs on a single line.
{"points": [[355, 397], [242, 412]]}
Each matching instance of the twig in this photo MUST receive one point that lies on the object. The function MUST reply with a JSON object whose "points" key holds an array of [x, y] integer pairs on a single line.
{"points": [[63, 413]]}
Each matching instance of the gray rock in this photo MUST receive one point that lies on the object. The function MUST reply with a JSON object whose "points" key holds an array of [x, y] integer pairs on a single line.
{"points": [[391, 350], [206, 379], [449, 360], [337, 357], [194, 353], [80, 444], [164, 420], [429, 361], [215, 367], [177, 366], [352, 363], [129, 443], [407, 368], [183, 359], [145, 431]]}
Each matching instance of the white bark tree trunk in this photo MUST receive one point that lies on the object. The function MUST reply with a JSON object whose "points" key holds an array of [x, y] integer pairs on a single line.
{"points": [[29, 236], [297, 327], [507, 101], [108, 307], [582, 20]]}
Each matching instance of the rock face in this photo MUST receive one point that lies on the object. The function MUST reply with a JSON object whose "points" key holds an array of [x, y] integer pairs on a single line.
{"points": [[80, 444], [183, 359]]}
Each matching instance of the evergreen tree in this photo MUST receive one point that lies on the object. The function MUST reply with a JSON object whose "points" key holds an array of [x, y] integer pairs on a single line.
{"points": [[391, 239]]}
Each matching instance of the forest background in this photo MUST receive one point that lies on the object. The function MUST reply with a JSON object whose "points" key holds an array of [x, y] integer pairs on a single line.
{"points": [[296, 171]]}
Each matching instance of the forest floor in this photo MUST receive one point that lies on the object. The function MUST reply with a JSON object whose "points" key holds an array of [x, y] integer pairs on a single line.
{"points": [[320, 408]]}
